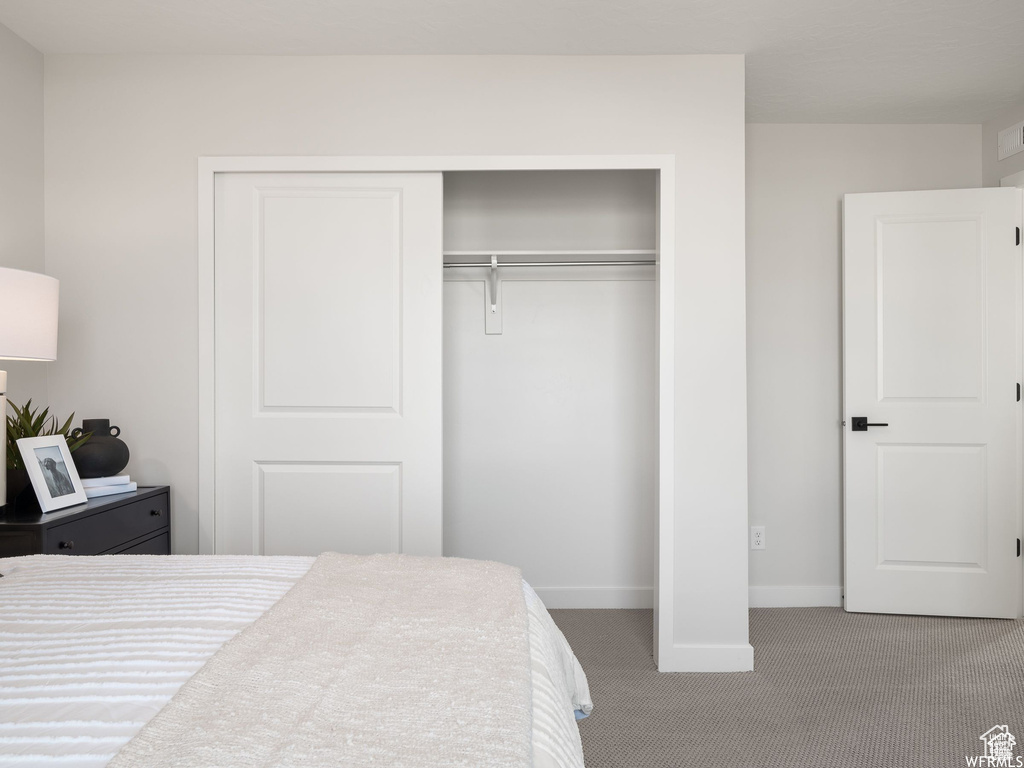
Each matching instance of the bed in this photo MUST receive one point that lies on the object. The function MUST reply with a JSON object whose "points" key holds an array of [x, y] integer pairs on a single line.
{"points": [[97, 654]]}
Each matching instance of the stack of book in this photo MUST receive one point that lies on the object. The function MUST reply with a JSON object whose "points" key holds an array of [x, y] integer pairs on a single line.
{"points": [[107, 486]]}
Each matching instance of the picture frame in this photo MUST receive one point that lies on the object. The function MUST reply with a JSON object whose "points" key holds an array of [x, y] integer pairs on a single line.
{"points": [[52, 472]]}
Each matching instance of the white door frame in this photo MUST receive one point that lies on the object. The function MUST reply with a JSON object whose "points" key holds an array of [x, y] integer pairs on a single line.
{"points": [[1017, 180], [664, 165]]}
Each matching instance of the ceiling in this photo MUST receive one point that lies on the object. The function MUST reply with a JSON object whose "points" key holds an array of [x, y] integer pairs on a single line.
{"points": [[821, 61]]}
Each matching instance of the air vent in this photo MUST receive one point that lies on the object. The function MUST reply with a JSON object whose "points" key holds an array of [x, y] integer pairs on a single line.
{"points": [[1011, 140]]}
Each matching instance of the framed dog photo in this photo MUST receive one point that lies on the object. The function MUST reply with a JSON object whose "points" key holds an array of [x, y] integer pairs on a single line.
{"points": [[52, 472]]}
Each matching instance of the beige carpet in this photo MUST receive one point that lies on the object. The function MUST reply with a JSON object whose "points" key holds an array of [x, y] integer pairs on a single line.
{"points": [[829, 689]]}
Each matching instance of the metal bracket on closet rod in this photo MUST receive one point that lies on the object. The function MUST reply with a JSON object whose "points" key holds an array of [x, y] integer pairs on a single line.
{"points": [[492, 319], [494, 284]]}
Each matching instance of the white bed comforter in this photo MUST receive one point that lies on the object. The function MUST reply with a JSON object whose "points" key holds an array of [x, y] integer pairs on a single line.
{"points": [[91, 648]]}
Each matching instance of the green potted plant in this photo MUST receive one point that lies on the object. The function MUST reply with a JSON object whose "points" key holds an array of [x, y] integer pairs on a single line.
{"points": [[28, 422]]}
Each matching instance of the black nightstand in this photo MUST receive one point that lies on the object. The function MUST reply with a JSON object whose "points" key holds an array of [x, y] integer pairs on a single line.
{"points": [[137, 523]]}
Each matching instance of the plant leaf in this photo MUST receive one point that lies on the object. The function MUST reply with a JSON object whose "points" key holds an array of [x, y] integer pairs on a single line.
{"points": [[30, 422], [74, 445], [64, 430]]}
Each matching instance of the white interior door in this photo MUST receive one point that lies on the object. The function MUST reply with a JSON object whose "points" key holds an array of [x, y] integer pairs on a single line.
{"points": [[931, 353], [328, 291]]}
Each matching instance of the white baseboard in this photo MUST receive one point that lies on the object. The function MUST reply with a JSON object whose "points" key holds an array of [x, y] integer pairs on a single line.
{"points": [[706, 658], [795, 597], [596, 597]]}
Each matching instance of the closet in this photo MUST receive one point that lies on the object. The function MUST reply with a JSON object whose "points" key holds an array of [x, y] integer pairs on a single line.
{"points": [[550, 390], [437, 360]]}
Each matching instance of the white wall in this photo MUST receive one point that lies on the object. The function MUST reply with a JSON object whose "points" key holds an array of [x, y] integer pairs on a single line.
{"points": [[550, 428], [21, 186], [796, 177], [994, 169], [122, 137]]}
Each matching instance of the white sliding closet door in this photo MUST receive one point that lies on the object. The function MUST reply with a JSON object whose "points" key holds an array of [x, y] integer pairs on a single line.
{"points": [[328, 363]]}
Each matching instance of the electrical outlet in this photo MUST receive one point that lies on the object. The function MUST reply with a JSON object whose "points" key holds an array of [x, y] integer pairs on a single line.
{"points": [[757, 537]]}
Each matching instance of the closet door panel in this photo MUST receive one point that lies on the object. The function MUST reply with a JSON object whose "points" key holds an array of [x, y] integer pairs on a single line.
{"points": [[328, 378], [329, 320], [369, 522]]}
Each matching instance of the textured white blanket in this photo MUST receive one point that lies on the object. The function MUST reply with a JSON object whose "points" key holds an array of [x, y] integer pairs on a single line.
{"points": [[385, 660]]}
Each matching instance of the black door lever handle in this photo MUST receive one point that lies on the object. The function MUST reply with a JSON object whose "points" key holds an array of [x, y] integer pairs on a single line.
{"points": [[860, 424]]}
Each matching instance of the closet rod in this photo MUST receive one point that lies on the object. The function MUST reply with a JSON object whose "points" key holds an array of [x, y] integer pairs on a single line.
{"points": [[640, 263]]}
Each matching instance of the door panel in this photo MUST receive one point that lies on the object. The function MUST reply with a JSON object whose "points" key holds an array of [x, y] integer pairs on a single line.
{"points": [[328, 373], [931, 355], [931, 506], [369, 521], [931, 317], [331, 262]]}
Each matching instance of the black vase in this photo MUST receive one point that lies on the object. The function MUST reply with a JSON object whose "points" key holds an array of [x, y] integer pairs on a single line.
{"points": [[20, 494], [103, 454]]}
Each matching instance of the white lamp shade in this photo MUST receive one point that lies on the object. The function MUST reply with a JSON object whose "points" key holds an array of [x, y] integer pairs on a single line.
{"points": [[28, 315]]}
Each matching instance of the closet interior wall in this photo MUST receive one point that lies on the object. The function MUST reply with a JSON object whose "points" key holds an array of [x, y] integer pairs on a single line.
{"points": [[551, 426]]}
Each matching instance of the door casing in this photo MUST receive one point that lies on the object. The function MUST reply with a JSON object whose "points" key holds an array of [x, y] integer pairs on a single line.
{"points": [[1017, 180]]}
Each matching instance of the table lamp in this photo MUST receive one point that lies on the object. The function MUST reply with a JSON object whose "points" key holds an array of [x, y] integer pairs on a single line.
{"points": [[28, 331]]}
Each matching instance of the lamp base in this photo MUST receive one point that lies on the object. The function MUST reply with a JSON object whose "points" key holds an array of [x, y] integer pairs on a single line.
{"points": [[3, 413]]}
